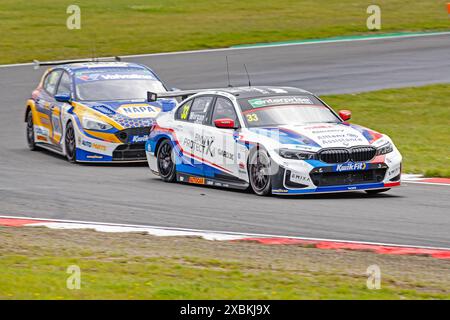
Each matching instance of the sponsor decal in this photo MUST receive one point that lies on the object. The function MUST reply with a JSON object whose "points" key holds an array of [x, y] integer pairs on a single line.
{"points": [[94, 157], [93, 145], [41, 131], [196, 180], [56, 124], [201, 144], [137, 139], [139, 110], [45, 120], [276, 101], [225, 154], [132, 76], [280, 190], [104, 109], [299, 178], [114, 76], [394, 172], [41, 138], [351, 166]]}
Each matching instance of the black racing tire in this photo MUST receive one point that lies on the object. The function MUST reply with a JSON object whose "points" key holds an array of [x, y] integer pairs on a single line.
{"points": [[373, 192], [70, 143], [165, 159], [259, 168], [30, 131]]}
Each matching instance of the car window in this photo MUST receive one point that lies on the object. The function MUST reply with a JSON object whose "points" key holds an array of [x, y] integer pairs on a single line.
{"points": [[224, 109], [64, 84], [199, 109], [51, 81], [183, 111]]}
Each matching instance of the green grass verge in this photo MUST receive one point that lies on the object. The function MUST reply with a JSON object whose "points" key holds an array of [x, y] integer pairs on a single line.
{"points": [[417, 119], [34, 264], [161, 278], [37, 29]]}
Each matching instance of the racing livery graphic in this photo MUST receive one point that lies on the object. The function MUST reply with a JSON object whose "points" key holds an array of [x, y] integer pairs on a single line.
{"points": [[94, 111], [274, 140]]}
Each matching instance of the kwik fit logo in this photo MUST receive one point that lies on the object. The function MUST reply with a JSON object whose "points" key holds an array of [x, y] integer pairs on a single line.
{"points": [[137, 139], [351, 166]]}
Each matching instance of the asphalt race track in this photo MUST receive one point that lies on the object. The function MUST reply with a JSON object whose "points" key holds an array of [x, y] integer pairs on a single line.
{"points": [[40, 184]]}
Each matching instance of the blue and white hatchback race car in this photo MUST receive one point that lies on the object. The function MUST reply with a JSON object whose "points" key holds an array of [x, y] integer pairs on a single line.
{"points": [[274, 140], [94, 111]]}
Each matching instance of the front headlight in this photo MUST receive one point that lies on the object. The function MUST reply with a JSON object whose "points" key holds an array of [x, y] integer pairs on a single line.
{"points": [[95, 124], [297, 154], [385, 148]]}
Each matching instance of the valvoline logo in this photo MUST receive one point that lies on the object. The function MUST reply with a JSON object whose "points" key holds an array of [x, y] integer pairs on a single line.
{"points": [[351, 166]]}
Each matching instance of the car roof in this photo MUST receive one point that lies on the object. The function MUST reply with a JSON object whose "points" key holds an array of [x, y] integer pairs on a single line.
{"points": [[261, 91], [85, 66]]}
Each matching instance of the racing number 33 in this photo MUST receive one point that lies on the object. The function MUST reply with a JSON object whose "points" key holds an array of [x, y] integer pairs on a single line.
{"points": [[252, 117]]}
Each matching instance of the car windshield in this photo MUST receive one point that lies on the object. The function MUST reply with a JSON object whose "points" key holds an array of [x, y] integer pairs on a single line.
{"points": [[116, 84], [285, 110]]}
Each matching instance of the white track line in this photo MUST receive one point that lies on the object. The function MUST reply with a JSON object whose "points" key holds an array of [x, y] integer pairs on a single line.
{"points": [[257, 46], [428, 183], [210, 234]]}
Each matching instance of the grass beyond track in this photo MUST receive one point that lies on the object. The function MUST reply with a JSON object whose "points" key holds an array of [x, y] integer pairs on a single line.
{"points": [[34, 264], [36, 29], [417, 119]]}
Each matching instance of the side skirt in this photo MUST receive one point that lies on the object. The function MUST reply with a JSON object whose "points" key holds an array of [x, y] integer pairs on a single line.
{"points": [[192, 179], [50, 147]]}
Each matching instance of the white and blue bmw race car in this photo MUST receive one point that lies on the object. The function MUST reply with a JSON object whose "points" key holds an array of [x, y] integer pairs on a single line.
{"points": [[275, 140]]}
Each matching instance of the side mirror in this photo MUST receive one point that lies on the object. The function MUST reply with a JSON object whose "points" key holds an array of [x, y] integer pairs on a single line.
{"points": [[345, 114], [225, 123], [168, 105], [63, 98]]}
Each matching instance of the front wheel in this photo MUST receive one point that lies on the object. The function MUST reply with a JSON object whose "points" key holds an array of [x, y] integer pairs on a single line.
{"points": [[372, 192], [71, 144], [259, 173], [166, 163]]}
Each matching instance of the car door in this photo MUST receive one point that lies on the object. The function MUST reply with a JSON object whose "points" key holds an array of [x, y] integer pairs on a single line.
{"points": [[226, 157], [64, 88], [188, 128], [45, 104]]}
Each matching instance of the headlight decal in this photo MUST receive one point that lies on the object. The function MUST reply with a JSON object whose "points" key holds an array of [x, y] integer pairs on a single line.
{"points": [[385, 149], [96, 124], [297, 154]]}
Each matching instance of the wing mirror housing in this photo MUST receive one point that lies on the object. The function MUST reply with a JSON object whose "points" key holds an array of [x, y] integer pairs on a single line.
{"points": [[345, 114], [225, 123], [168, 105], [63, 98]]}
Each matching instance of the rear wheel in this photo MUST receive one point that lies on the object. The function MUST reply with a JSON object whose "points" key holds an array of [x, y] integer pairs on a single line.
{"points": [[377, 191], [259, 173], [70, 142], [30, 131], [166, 163]]}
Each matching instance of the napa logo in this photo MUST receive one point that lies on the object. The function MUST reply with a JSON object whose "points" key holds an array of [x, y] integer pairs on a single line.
{"points": [[139, 110], [351, 166]]}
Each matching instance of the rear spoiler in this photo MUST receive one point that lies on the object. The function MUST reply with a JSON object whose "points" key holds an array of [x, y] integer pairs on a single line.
{"points": [[183, 94], [37, 63]]}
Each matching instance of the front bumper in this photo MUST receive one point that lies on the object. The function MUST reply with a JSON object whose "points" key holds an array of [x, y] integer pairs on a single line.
{"points": [[93, 149], [313, 176]]}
